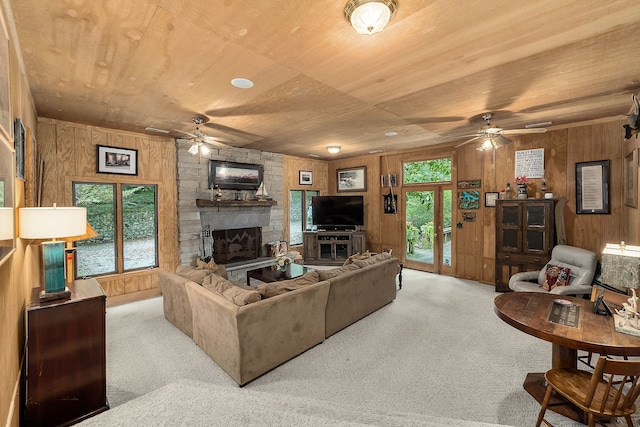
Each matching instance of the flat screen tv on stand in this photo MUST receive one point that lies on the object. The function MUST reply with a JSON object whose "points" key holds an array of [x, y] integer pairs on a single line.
{"points": [[333, 213]]}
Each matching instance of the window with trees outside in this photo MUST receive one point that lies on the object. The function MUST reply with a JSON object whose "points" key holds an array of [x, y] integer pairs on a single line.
{"points": [[300, 218], [125, 218]]}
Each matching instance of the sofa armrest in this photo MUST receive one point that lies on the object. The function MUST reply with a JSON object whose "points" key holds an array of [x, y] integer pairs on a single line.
{"points": [[175, 302], [524, 276], [572, 290]]}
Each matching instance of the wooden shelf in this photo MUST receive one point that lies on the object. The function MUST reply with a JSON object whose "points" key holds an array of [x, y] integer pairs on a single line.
{"points": [[203, 203]]}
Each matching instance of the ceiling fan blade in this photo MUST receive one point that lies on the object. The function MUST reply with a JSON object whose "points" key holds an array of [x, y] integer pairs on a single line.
{"points": [[189, 134], [501, 140], [467, 142], [523, 131]]}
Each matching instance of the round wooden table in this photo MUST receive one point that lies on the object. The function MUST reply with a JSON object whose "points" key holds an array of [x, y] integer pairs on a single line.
{"points": [[529, 312]]}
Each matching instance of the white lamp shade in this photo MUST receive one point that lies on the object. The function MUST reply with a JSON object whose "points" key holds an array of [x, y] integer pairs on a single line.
{"points": [[6, 223], [52, 222]]}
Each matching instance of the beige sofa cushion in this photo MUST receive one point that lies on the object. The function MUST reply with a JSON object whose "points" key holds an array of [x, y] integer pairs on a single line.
{"points": [[239, 295], [330, 274], [268, 290], [192, 274], [372, 260]]}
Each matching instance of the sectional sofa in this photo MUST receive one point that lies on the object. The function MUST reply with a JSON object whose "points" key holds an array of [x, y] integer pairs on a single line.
{"points": [[249, 331]]}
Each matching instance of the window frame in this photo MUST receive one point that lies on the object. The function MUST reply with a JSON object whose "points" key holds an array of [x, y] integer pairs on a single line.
{"points": [[118, 225], [304, 207]]}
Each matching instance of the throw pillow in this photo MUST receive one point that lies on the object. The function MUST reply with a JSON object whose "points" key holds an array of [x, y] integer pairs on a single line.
{"points": [[192, 274], [330, 274], [238, 295], [555, 276], [351, 259], [211, 265], [268, 290]]}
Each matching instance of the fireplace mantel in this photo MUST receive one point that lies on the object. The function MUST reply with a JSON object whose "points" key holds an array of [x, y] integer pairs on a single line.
{"points": [[204, 203]]}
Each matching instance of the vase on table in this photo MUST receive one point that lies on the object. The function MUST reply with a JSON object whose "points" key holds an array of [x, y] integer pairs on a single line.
{"points": [[522, 191]]}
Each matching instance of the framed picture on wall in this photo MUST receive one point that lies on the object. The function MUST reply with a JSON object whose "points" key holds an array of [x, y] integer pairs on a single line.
{"points": [[592, 187], [5, 94], [631, 179], [122, 161], [19, 146], [305, 178], [490, 199], [352, 179]]}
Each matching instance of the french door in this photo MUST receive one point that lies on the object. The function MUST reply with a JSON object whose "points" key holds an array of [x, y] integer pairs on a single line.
{"points": [[428, 229]]}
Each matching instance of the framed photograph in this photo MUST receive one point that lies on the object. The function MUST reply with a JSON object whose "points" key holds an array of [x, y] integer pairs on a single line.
{"points": [[19, 134], [305, 178], [235, 176], [352, 179], [490, 199], [122, 161], [389, 180], [592, 187], [5, 94], [631, 179]]}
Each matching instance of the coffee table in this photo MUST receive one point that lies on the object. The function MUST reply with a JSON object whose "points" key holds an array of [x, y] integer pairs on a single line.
{"points": [[274, 274], [529, 312]]}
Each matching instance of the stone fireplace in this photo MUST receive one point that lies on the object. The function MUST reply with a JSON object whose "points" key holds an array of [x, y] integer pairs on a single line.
{"points": [[198, 224]]}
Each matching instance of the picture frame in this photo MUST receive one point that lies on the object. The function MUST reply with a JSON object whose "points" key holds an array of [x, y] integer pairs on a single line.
{"points": [[631, 179], [592, 187], [490, 198], [469, 199], [115, 160], [19, 147], [351, 179], [6, 119], [235, 176], [305, 177]]}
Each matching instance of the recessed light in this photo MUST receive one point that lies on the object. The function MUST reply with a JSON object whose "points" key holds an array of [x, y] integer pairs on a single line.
{"points": [[242, 83], [391, 133]]}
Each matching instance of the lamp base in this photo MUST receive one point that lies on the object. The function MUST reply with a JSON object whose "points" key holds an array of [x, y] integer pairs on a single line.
{"points": [[52, 296]]}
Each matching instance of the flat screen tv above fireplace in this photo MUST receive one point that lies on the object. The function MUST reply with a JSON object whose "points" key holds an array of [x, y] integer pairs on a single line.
{"points": [[337, 212], [235, 176]]}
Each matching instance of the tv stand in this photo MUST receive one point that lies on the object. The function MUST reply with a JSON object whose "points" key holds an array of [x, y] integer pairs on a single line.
{"points": [[332, 247]]}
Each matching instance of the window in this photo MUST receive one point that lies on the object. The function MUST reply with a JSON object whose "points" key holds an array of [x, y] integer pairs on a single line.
{"points": [[125, 217], [436, 170], [300, 214]]}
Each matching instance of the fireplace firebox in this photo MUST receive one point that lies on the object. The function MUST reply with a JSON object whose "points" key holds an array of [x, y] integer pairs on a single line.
{"points": [[238, 244]]}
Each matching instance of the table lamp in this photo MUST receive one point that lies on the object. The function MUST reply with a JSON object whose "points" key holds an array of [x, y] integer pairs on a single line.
{"points": [[6, 223], [70, 249], [52, 223], [621, 268]]}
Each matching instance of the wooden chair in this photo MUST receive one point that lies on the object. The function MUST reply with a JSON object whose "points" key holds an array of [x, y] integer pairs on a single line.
{"points": [[596, 396]]}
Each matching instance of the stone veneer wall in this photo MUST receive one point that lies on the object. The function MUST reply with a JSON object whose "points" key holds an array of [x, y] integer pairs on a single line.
{"points": [[193, 177]]}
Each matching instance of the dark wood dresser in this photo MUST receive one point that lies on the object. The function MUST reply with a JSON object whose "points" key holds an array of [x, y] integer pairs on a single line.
{"points": [[525, 236], [65, 378]]}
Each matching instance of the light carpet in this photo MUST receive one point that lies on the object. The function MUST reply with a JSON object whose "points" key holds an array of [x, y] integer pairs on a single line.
{"points": [[438, 350]]}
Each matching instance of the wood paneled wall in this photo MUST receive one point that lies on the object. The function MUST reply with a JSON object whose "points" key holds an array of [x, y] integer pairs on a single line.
{"points": [[16, 276], [69, 153]]}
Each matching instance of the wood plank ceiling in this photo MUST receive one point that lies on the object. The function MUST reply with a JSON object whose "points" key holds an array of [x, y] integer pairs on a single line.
{"points": [[429, 76]]}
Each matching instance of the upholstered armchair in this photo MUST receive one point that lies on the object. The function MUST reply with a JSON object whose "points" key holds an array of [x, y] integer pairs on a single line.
{"points": [[569, 272]]}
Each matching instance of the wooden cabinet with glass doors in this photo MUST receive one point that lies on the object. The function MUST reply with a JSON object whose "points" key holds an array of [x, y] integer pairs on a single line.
{"points": [[524, 237]]}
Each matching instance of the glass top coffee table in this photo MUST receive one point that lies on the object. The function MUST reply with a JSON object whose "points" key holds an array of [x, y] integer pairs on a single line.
{"points": [[274, 274]]}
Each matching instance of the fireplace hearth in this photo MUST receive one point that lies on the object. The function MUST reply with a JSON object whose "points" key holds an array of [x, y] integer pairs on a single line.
{"points": [[237, 244]]}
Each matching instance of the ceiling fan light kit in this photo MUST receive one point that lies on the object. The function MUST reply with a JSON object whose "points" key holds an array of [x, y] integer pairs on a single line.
{"points": [[370, 16]]}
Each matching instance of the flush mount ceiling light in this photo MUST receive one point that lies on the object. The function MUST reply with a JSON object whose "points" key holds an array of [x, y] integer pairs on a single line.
{"points": [[242, 83], [333, 149], [369, 16]]}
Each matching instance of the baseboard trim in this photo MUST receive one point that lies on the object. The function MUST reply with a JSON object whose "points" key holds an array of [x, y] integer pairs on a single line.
{"points": [[133, 296]]}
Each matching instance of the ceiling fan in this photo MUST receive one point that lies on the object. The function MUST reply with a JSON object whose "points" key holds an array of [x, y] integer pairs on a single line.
{"points": [[199, 138], [492, 136]]}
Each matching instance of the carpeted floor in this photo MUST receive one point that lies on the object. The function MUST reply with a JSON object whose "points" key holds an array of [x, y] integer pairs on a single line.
{"points": [[437, 351]]}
